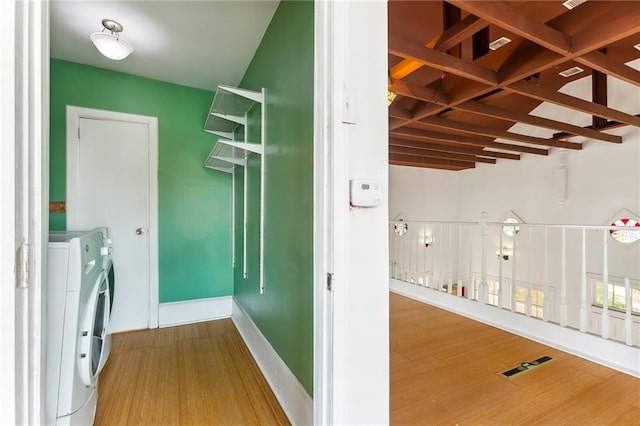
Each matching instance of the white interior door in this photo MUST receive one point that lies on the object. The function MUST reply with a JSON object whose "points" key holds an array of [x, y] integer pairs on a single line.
{"points": [[108, 184]]}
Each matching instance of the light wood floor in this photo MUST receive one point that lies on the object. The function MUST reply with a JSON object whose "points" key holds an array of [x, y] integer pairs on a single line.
{"points": [[446, 369], [198, 374]]}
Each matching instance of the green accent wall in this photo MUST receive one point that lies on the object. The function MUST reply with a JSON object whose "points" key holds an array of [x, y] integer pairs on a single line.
{"points": [[194, 202], [283, 65]]}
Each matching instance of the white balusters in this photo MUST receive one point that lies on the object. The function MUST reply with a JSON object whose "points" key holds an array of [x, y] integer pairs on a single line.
{"points": [[513, 274], [484, 229], [501, 294], [583, 284], [628, 336], [451, 260], [563, 280], [546, 304], [529, 257], [605, 286], [557, 267], [469, 293]]}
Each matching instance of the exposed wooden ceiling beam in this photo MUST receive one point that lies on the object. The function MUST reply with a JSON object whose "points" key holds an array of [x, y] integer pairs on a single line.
{"points": [[459, 32], [452, 147], [512, 20], [398, 112], [441, 61], [601, 62], [421, 135], [429, 135], [439, 154], [443, 42], [610, 125], [443, 147], [621, 21], [444, 123], [438, 163], [510, 115], [527, 60], [545, 94], [598, 96], [531, 58], [420, 93], [498, 154], [518, 148]]}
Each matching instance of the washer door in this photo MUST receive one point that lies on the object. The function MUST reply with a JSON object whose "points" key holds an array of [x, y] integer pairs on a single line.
{"points": [[93, 332]]}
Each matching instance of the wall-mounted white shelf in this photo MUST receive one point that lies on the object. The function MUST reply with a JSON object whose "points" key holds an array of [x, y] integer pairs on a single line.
{"points": [[227, 154], [229, 110]]}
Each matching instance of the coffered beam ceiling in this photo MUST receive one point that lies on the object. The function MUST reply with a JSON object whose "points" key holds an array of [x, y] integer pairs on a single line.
{"points": [[445, 98]]}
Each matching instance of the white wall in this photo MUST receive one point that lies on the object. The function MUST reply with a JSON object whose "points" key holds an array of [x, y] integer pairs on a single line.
{"points": [[415, 194], [602, 179]]}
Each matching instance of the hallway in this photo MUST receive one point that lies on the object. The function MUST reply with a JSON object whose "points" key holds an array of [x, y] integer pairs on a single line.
{"points": [[197, 374]]}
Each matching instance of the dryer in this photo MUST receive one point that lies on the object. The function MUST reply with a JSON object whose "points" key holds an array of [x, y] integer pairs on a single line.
{"points": [[77, 320]]}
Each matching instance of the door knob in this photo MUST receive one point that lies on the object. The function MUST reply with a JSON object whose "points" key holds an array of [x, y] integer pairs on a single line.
{"points": [[139, 231]]}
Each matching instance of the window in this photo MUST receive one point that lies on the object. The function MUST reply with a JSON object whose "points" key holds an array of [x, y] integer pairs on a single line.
{"points": [[617, 296], [510, 219], [493, 298], [511, 230], [626, 236], [493, 288], [537, 301]]}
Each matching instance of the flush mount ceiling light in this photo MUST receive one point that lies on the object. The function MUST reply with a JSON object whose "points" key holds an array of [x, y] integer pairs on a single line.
{"points": [[110, 44]]}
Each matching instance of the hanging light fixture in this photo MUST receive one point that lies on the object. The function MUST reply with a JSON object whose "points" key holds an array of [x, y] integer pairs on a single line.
{"points": [[111, 44], [391, 96]]}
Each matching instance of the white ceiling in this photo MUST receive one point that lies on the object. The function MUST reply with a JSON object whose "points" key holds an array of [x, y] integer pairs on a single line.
{"points": [[193, 43]]}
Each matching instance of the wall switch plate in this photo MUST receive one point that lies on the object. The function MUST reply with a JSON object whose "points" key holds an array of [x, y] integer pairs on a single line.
{"points": [[348, 108]]}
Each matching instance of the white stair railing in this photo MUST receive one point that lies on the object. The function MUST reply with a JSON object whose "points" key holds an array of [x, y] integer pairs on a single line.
{"points": [[554, 274]]}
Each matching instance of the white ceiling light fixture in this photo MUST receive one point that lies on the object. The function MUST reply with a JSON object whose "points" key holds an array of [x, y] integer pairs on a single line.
{"points": [[111, 44]]}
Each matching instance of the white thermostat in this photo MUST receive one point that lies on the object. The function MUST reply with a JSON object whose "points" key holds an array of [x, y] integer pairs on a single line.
{"points": [[365, 192]]}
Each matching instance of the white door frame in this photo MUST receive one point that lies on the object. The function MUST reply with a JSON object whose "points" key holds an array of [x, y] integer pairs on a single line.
{"points": [[322, 224], [74, 114], [351, 348], [24, 177]]}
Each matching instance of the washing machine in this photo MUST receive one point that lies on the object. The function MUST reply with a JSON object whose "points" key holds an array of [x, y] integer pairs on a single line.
{"points": [[107, 267], [78, 307]]}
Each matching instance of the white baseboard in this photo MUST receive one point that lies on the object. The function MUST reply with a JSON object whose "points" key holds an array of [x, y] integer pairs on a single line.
{"points": [[605, 352], [294, 399], [197, 310]]}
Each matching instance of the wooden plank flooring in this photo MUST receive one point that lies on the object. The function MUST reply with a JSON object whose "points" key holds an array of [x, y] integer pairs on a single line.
{"points": [[446, 369], [197, 374]]}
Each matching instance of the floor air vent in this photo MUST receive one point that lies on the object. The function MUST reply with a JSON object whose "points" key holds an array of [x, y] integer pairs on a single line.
{"points": [[526, 366]]}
